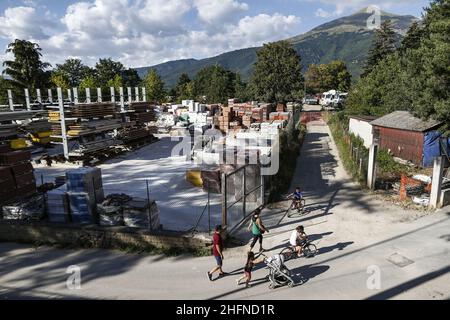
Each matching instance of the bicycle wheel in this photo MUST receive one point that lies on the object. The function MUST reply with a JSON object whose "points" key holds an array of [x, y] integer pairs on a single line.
{"points": [[288, 253], [310, 250], [301, 210]]}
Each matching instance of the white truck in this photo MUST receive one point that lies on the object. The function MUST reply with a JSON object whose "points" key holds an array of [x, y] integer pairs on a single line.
{"points": [[333, 98]]}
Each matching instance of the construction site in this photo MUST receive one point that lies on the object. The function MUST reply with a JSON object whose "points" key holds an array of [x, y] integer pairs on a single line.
{"points": [[120, 162]]}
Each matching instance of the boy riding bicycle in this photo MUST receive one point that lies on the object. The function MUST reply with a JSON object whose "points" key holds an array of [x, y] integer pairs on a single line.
{"points": [[298, 197], [298, 239]]}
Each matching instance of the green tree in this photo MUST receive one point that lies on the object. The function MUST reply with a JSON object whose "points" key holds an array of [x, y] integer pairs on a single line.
{"points": [[242, 91], [115, 83], [383, 45], [130, 78], [74, 70], [183, 89], [107, 69], [413, 37], [277, 76], [60, 80], [324, 77], [27, 69], [89, 82], [430, 65], [214, 83], [154, 87], [416, 79]]}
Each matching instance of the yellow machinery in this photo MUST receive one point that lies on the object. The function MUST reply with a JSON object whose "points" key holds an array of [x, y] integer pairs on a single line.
{"points": [[41, 137], [194, 177], [18, 144]]}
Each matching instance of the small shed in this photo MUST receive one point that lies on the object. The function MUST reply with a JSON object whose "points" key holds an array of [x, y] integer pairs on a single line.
{"points": [[408, 137], [361, 126]]}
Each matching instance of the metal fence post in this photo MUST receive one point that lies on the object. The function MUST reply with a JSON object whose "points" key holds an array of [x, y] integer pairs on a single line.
{"points": [[69, 95], [27, 99], [136, 89], [38, 95], [244, 201], [50, 96], [113, 94], [10, 100], [122, 100], [88, 95], [99, 95], [224, 200], [209, 210], [144, 95], [148, 204], [75, 95], [62, 120]]}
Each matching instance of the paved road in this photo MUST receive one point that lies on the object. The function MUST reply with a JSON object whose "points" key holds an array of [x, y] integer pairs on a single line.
{"points": [[355, 231]]}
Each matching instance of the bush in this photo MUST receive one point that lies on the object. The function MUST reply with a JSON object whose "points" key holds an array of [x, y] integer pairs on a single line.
{"points": [[290, 144], [387, 166]]}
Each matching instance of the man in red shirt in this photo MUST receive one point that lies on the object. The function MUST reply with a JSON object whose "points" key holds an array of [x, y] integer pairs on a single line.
{"points": [[217, 252]]}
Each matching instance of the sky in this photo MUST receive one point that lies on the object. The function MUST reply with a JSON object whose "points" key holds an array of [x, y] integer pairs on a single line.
{"points": [[148, 32]]}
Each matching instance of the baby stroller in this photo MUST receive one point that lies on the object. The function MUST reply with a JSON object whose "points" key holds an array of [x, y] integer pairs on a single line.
{"points": [[279, 274]]}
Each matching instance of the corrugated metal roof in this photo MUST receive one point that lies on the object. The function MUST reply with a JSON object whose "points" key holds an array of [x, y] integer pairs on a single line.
{"points": [[364, 118], [404, 120]]}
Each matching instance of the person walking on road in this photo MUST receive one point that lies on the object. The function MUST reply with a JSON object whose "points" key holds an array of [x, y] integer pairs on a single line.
{"points": [[251, 261], [218, 253], [258, 229]]}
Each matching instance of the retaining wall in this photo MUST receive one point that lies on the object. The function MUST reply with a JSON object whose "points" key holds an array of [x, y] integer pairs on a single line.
{"points": [[97, 237]]}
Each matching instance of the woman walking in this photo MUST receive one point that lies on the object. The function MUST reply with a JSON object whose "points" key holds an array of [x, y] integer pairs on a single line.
{"points": [[258, 229]]}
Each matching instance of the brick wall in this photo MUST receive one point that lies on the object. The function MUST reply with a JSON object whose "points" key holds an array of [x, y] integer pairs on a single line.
{"points": [[97, 237]]}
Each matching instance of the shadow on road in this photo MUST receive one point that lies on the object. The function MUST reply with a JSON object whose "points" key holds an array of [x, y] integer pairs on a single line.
{"points": [[339, 246], [392, 292], [304, 273]]}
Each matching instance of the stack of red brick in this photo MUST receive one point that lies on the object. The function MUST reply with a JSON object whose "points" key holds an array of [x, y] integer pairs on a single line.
{"points": [[16, 174], [225, 119]]}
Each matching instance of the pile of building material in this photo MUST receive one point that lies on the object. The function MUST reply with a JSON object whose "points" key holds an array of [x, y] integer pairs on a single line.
{"points": [[87, 146], [141, 115], [58, 209], [85, 190], [211, 180], [142, 112], [16, 174], [8, 131], [123, 210], [89, 127], [284, 116], [225, 119], [140, 213], [30, 208], [93, 110], [131, 134]]}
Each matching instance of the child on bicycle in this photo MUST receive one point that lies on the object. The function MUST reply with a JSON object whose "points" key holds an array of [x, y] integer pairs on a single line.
{"points": [[298, 239], [251, 261], [298, 197]]}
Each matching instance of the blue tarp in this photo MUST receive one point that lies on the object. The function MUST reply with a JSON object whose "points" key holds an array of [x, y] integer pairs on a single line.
{"points": [[434, 146]]}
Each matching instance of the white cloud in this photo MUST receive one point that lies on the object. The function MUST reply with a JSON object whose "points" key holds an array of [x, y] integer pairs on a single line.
{"points": [[146, 32], [218, 11], [323, 13], [22, 22]]}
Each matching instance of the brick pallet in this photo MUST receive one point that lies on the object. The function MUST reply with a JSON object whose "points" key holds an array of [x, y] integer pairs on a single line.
{"points": [[16, 175]]}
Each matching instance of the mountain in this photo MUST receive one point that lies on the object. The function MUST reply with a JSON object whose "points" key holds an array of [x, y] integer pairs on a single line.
{"points": [[346, 38]]}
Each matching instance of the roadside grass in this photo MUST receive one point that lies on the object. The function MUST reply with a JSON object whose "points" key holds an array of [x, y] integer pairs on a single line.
{"points": [[338, 123], [290, 145]]}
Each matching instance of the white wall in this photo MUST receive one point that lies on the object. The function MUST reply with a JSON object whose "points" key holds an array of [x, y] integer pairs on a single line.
{"points": [[363, 129]]}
